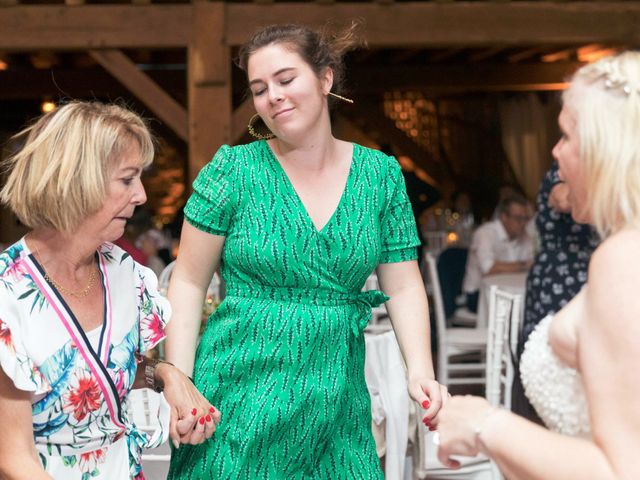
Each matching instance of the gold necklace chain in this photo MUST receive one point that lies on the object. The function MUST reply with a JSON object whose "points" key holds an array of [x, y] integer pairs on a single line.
{"points": [[74, 293], [78, 294]]}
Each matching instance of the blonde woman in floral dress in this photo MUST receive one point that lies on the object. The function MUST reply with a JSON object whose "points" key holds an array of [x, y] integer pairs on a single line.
{"points": [[76, 312]]}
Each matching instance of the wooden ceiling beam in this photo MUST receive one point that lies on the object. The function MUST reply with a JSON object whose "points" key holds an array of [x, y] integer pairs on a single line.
{"points": [[424, 24], [451, 24], [144, 88], [80, 27], [92, 82], [458, 78], [362, 80], [486, 53]]}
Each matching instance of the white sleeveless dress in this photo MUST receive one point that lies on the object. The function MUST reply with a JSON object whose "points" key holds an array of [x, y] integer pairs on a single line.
{"points": [[554, 389]]}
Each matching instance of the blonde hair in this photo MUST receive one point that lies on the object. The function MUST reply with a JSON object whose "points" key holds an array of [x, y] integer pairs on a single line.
{"points": [[61, 173], [604, 100]]}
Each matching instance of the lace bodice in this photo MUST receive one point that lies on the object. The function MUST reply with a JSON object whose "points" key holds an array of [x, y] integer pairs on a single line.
{"points": [[554, 389]]}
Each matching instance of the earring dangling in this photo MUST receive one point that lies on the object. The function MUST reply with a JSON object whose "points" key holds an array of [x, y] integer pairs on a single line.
{"points": [[340, 97], [254, 134]]}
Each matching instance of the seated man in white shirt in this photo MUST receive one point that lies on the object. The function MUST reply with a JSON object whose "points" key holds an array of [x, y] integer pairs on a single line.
{"points": [[499, 246]]}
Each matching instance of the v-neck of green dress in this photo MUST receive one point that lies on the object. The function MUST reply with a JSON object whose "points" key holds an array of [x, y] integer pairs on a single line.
{"points": [[296, 197]]}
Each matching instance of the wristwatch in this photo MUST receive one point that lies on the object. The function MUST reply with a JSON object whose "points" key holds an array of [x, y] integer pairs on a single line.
{"points": [[150, 374]]}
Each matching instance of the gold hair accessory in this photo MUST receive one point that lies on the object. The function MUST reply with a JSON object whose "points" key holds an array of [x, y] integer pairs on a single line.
{"points": [[253, 133], [340, 97]]}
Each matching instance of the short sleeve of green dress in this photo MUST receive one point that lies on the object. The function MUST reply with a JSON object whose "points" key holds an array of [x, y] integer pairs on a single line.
{"points": [[398, 227], [283, 355], [211, 206]]}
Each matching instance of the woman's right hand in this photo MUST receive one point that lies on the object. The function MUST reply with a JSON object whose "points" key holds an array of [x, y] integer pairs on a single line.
{"points": [[193, 418]]}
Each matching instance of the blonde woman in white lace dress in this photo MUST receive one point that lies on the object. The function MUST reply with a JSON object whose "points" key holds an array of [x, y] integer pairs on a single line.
{"points": [[580, 367]]}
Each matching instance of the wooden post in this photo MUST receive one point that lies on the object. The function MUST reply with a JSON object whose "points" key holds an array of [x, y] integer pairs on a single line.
{"points": [[209, 84]]}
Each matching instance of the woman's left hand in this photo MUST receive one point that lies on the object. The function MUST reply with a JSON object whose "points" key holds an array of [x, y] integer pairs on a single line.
{"points": [[460, 421], [193, 418], [431, 396]]}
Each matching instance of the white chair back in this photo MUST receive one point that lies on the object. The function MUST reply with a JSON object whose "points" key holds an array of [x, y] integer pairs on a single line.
{"points": [[455, 343], [436, 241], [505, 312], [436, 294]]}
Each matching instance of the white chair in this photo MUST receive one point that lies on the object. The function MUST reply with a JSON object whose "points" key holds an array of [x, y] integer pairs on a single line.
{"points": [[428, 466], [385, 376], [376, 312], [453, 343], [505, 312], [436, 241]]}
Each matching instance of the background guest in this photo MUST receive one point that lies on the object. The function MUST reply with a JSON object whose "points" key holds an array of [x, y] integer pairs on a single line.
{"points": [[499, 246], [559, 270]]}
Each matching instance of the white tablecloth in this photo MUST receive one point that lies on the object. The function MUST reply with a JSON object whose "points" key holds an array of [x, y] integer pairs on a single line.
{"points": [[386, 381], [509, 282]]}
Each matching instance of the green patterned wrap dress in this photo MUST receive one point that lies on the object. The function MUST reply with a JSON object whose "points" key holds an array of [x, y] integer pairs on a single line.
{"points": [[283, 355]]}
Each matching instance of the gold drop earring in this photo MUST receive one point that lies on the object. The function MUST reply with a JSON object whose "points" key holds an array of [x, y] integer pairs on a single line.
{"points": [[253, 133], [340, 97]]}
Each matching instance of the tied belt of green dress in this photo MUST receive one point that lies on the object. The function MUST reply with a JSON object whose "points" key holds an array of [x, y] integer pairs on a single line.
{"points": [[365, 301]]}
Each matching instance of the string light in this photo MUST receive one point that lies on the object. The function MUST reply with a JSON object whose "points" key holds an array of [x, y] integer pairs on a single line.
{"points": [[47, 106]]}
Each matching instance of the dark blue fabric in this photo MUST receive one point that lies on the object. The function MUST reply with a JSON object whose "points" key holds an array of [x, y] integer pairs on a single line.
{"points": [[558, 273], [451, 266]]}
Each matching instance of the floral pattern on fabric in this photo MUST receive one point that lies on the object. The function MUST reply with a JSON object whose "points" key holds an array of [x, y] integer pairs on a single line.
{"points": [[79, 395]]}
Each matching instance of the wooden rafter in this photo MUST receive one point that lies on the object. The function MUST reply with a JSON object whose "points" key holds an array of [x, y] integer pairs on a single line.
{"points": [[31, 27], [453, 24], [149, 92], [77, 83], [460, 78], [424, 24]]}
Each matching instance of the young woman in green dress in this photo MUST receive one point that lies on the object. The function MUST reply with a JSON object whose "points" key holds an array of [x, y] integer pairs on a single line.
{"points": [[297, 221]]}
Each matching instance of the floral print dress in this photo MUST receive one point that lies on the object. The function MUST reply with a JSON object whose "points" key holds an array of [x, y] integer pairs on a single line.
{"points": [[81, 425]]}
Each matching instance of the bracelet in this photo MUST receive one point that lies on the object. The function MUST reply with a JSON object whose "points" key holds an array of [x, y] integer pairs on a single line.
{"points": [[150, 374], [477, 430]]}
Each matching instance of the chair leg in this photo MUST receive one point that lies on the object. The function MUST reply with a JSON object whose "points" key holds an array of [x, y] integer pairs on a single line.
{"points": [[443, 370]]}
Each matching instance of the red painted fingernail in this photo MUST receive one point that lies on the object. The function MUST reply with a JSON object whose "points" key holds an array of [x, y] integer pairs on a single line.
{"points": [[212, 410], [431, 429], [201, 420], [425, 404], [208, 418], [193, 412]]}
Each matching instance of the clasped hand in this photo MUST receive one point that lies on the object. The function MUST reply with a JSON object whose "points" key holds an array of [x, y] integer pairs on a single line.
{"points": [[431, 396], [193, 418]]}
